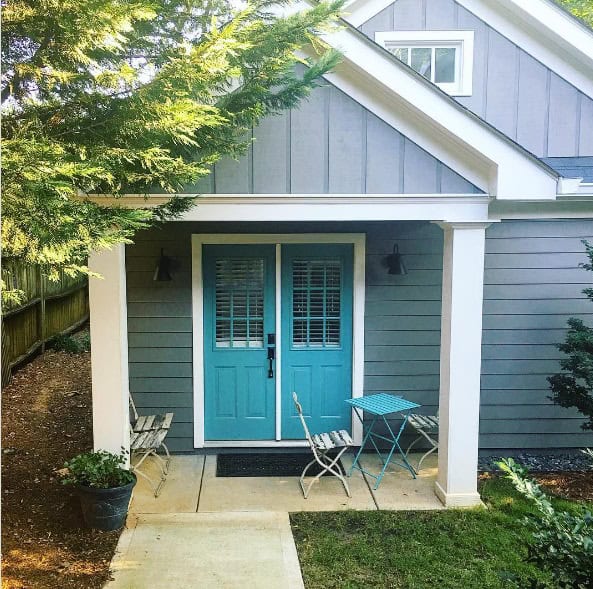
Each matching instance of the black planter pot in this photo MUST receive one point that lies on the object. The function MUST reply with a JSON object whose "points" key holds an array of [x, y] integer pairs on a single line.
{"points": [[105, 509]]}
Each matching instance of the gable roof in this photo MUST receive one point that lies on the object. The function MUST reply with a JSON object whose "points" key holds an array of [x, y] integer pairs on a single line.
{"points": [[540, 27], [437, 123]]}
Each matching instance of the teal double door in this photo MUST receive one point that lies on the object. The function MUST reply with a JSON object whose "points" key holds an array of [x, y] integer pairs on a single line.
{"points": [[250, 370]]}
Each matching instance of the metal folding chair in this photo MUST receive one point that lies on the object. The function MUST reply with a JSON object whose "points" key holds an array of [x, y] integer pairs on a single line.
{"points": [[147, 437], [320, 445], [427, 426]]}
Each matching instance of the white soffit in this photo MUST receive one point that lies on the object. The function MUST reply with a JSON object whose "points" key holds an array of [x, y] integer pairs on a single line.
{"points": [[461, 140], [540, 27]]}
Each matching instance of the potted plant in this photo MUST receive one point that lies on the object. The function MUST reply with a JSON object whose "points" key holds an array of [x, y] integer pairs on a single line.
{"points": [[103, 485]]}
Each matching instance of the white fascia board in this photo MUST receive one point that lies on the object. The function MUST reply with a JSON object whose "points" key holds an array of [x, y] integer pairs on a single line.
{"points": [[320, 207], [570, 207], [357, 12], [435, 122], [546, 32]]}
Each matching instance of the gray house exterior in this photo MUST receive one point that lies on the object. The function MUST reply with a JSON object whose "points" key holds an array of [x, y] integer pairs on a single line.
{"points": [[484, 184]]}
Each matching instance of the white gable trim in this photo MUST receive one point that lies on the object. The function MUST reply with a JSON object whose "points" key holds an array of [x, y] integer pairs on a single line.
{"points": [[427, 116], [357, 12], [539, 27], [546, 32]]}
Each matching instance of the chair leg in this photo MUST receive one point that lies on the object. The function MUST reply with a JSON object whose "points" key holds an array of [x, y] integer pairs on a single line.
{"points": [[327, 465], [302, 478], [163, 466], [413, 444], [435, 447], [156, 487]]}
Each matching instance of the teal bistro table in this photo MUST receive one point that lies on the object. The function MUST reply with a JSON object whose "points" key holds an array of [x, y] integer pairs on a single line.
{"points": [[380, 406]]}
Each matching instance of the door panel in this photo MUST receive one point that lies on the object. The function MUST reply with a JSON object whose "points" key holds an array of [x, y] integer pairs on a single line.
{"points": [[239, 312], [316, 342]]}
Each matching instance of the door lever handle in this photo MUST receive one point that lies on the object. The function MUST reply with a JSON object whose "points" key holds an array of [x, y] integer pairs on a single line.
{"points": [[271, 358]]}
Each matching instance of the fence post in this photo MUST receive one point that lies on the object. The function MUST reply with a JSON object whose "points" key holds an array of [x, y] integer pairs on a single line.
{"points": [[42, 307]]}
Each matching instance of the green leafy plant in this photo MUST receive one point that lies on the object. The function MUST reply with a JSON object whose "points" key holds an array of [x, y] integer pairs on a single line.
{"points": [[73, 344], [582, 9], [101, 470], [562, 542], [131, 96], [573, 387]]}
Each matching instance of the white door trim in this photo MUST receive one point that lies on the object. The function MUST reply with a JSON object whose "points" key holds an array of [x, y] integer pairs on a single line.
{"points": [[358, 240]]}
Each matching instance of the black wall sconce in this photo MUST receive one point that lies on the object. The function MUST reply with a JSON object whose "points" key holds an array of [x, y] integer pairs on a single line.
{"points": [[395, 262], [162, 272]]}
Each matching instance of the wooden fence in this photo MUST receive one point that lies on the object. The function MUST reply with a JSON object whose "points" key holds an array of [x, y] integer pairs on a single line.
{"points": [[49, 308]]}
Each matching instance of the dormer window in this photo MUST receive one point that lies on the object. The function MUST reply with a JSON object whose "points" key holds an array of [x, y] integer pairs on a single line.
{"points": [[444, 57]]}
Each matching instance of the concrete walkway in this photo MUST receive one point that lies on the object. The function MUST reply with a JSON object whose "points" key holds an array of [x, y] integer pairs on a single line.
{"points": [[207, 550], [211, 532]]}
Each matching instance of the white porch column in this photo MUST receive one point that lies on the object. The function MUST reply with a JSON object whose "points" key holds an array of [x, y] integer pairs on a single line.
{"points": [[109, 350], [461, 340]]}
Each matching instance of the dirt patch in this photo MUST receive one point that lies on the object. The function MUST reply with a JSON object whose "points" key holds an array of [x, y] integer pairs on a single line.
{"points": [[574, 485], [46, 419]]}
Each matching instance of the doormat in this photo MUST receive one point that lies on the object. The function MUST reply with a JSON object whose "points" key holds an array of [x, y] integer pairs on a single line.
{"points": [[266, 465]]}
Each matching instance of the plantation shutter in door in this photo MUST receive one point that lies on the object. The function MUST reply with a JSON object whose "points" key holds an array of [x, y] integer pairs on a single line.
{"points": [[239, 312], [239, 303], [316, 297], [316, 336]]}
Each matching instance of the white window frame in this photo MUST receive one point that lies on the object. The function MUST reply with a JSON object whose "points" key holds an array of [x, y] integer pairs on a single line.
{"points": [[462, 41]]}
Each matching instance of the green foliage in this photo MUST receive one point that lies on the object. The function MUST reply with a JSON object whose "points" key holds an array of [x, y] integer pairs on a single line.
{"points": [[448, 549], [132, 96], [101, 470], [562, 542], [573, 387], [73, 344], [583, 9]]}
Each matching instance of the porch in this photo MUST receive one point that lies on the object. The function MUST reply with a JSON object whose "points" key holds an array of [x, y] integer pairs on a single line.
{"points": [[193, 487], [416, 335]]}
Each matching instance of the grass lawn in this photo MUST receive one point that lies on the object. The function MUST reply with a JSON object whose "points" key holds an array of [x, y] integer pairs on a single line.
{"points": [[440, 549]]}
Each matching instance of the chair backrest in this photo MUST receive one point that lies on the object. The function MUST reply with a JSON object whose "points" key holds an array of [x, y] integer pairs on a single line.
{"points": [[299, 409], [133, 406]]}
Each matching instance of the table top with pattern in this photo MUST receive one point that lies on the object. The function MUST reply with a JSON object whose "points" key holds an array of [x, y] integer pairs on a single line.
{"points": [[382, 404]]}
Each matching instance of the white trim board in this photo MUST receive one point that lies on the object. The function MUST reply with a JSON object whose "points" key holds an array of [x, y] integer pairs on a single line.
{"points": [[358, 240], [319, 207], [462, 41], [539, 27]]}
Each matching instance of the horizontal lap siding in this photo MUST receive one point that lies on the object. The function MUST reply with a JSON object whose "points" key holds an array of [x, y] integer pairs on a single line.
{"points": [[533, 284], [403, 313], [160, 330]]}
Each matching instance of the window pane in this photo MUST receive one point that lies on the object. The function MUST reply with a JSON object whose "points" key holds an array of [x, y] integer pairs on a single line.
{"points": [[316, 303], [444, 65], [239, 303], [402, 53], [421, 58]]}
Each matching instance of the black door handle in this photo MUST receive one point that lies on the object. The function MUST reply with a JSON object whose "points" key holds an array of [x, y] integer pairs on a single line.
{"points": [[271, 358], [271, 354]]}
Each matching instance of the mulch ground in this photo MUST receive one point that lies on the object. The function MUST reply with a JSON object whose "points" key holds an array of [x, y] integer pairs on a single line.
{"points": [[46, 419]]}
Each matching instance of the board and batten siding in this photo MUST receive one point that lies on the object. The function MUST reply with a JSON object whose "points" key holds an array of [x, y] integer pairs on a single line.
{"points": [[532, 285], [330, 144], [511, 90]]}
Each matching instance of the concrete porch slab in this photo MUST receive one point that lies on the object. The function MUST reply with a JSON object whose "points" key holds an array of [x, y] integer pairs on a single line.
{"points": [[398, 490], [207, 550], [280, 493], [180, 492]]}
